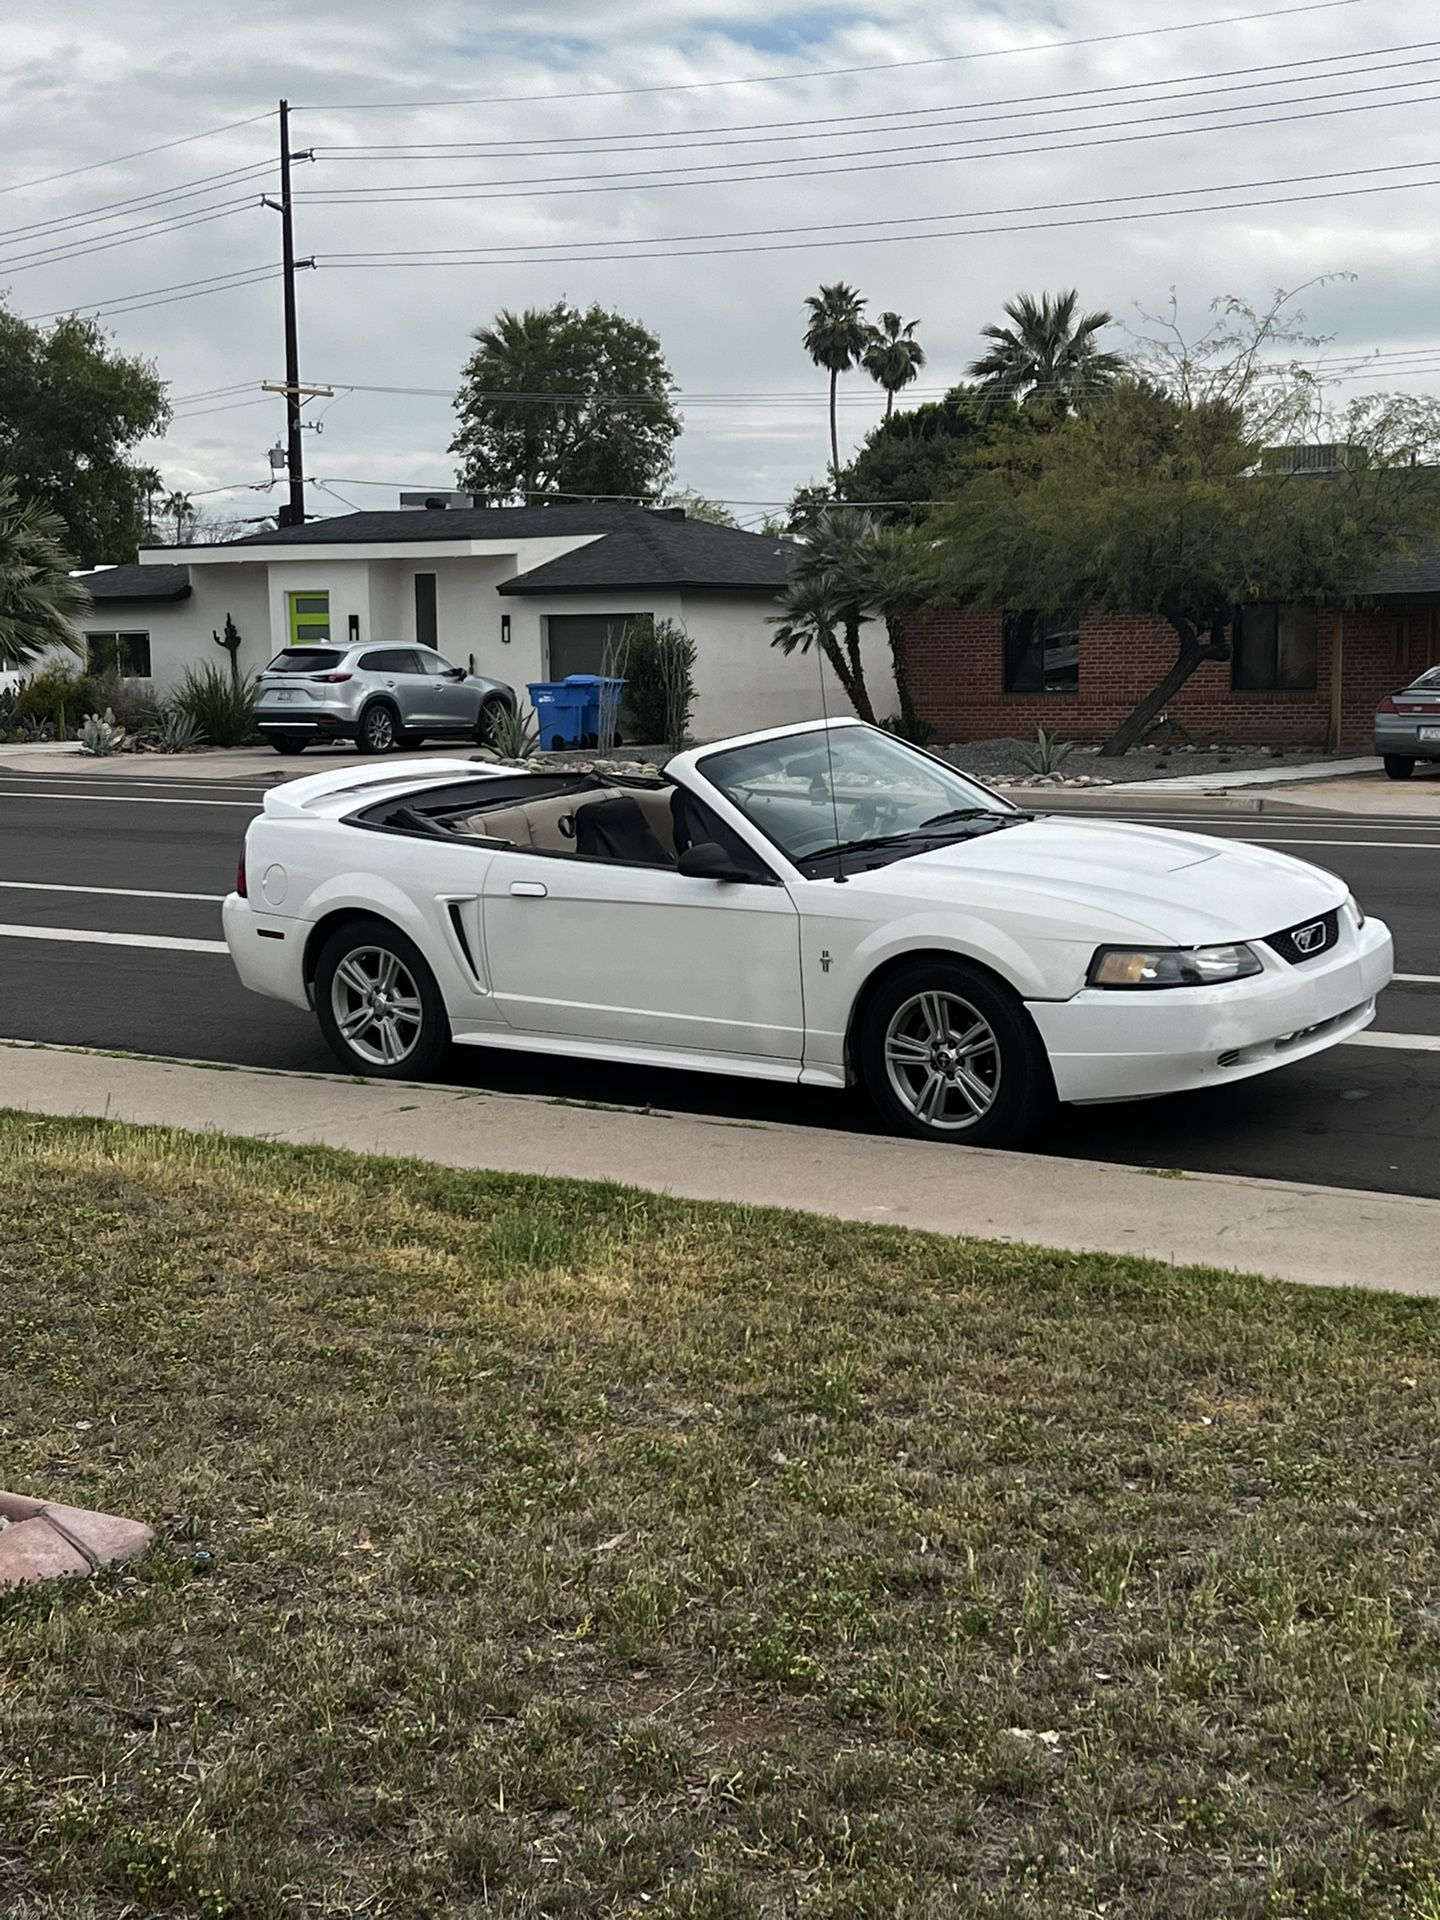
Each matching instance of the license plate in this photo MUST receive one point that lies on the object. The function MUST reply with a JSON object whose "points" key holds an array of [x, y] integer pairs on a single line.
{"points": [[286, 693], [1429, 733]]}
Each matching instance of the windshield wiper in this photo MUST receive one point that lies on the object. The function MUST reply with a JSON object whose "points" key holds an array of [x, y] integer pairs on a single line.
{"points": [[986, 821], [968, 813]]}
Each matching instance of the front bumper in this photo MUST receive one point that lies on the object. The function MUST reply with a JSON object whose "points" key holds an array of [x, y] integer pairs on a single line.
{"points": [[1123, 1045]]}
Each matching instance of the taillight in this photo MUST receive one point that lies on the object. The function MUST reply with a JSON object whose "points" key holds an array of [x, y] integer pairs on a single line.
{"points": [[1387, 705], [329, 679], [240, 886]]}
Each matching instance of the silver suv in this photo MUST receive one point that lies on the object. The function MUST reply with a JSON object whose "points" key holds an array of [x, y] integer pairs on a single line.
{"points": [[379, 696]]}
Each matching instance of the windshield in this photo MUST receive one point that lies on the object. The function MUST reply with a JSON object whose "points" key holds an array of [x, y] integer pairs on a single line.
{"points": [[306, 660], [812, 793]]}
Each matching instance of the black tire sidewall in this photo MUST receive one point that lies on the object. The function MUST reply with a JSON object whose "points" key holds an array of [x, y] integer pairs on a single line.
{"points": [[289, 746], [434, 1041], [1398, 766], [1027, 1087], [361, 732]]}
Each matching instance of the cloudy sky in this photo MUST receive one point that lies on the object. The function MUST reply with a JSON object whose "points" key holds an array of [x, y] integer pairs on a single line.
{"points": [[972, 129]]}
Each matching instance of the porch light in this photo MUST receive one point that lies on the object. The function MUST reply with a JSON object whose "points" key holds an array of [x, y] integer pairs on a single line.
{"points": [[504, 629]]}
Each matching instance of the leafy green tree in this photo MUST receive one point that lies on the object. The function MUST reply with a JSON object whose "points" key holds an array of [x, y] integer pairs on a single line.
{"points": [[558, 402], [893, 356], [71, 411], [917, 457], [1048, 356], [38, 597], [1163, 502], [836, 338]]}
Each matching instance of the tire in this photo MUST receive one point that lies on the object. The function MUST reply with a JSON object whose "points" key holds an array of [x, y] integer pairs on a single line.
{"points": [[490, 712], [992, 1096], [379, 729], [1398, 766], [288, 746], [366, 956]]}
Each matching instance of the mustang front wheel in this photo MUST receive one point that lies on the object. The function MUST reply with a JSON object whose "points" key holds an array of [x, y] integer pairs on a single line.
{"points": [[947, 1053], [378, 1004]]}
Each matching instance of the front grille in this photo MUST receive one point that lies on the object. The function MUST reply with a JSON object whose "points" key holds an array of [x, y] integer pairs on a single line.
{"points": [[1289, 943]]}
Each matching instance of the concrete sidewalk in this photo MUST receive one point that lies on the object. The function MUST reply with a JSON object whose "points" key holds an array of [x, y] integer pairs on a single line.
{"points": [[1316, 1235]]}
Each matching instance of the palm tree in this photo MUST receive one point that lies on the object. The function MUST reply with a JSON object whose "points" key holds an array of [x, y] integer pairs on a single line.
{"points": [[1049, 356], [181, 509], [836, 339], [893, 356], [38, 597]]}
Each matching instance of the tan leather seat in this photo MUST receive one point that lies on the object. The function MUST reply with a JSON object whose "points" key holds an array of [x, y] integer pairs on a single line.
{"points": [[537, 824]]}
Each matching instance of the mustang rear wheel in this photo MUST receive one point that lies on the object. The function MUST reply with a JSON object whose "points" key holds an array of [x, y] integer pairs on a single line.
{"points": [[947, 1053], [378, 1004]]}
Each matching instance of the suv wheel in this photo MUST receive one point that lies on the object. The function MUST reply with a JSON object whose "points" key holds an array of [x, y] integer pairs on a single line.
{"points": [[282, 745], [379, 729], [491, 713], [948, 1053], [378, 1004]]}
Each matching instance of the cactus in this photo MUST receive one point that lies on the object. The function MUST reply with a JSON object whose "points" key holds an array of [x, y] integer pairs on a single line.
{"points": [[230, 641], [100, 736]]}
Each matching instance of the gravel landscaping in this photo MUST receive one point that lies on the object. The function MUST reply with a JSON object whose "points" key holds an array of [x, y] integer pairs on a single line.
{"points": [[997, 759]]}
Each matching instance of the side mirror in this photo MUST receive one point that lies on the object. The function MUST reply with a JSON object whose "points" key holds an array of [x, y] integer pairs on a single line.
{"points": [[453, 673], [706, 861]]}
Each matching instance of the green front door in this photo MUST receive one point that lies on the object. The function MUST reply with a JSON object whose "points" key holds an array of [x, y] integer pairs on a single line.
{"points": [[309, 618]]}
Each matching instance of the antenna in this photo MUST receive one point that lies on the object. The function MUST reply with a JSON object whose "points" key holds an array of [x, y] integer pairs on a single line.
{"points": [[841, 877]]}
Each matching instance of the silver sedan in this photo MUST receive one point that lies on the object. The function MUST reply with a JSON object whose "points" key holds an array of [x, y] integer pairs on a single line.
{"points": [[1407, 725]]}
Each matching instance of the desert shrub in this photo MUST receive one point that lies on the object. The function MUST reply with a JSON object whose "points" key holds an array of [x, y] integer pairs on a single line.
{"points": [[100, 736], [175, 731], [132, 702], [58, 696], [222, 707], [657, 659]]}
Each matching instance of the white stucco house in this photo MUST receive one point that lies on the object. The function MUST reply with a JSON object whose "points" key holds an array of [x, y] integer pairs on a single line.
{"points": [[528, 593]]}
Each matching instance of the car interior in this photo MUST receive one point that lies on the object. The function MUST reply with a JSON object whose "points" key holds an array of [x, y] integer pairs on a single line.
{"points": [[650, 823]]}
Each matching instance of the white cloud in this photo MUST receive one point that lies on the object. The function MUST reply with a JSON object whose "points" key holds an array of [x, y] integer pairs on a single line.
{"points": [[97, 82]]}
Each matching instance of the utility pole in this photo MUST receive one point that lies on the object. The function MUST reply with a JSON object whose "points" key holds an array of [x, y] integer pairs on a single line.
{"points": [[295, 457]]}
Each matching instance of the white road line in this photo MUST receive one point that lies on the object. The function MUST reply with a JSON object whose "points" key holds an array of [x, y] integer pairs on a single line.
{"points": [[119, 893], [1399, 1042], [123, 799], [93, 937], [1415, 979]]}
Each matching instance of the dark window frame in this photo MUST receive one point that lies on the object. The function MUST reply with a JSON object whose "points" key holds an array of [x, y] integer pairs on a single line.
{"points": [[1028, 639], [427, 611], [137, 642], [1270, 659]]}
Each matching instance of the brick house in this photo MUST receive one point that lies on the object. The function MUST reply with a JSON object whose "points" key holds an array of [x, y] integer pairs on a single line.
{"points": [[1300, 676]]}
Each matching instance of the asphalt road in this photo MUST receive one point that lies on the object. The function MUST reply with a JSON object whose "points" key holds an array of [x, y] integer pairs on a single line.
{"points": [[103, 884]]}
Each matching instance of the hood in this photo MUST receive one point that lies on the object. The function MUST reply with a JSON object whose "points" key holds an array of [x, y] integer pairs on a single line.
{"points": [[1181, 886]]}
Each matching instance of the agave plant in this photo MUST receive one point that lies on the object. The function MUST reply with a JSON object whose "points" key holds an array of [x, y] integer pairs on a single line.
{"points": [[1047, 755], [176, 732], [100, 736], [514, 733]]}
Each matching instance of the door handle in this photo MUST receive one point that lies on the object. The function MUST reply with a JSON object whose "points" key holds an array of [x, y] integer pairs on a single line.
{"points": [[529, 889]]}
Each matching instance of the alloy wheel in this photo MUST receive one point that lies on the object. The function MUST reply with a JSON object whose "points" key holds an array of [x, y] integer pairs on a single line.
{"points": [[379, 730], [377, 1006], [942, 1060]]}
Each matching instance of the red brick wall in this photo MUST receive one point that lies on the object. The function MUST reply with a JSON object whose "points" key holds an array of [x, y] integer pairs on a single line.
{"points": [[956, 672]]}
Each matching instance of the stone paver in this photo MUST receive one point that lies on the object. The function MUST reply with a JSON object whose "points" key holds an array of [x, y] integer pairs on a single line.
{"points": [[41, 1540]]}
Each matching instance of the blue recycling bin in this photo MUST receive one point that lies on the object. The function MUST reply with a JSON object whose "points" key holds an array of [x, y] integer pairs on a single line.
{"points": [[573, 712], [559, 712]]}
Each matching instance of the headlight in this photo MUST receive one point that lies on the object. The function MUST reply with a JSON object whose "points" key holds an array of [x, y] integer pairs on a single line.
{"points": [[1171, 966], [1355, 907]]}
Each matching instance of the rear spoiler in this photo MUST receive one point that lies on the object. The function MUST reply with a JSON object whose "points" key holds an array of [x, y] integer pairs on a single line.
{"points": [[367, 780]]}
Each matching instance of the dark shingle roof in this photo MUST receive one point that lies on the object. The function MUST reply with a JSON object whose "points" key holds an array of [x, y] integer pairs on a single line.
{"points": [[653, 552], [635, 547], [1420, 574], [136, 583]]}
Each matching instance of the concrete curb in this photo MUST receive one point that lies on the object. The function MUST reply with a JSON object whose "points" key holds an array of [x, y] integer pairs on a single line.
{"points": [[1314, 1235]]}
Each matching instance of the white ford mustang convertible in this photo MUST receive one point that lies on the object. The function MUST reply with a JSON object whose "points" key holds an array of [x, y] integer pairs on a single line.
{"points": [[820, 904]]}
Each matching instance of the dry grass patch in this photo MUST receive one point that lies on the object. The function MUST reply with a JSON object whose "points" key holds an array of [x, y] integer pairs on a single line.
{"points": [[542, 1549]]}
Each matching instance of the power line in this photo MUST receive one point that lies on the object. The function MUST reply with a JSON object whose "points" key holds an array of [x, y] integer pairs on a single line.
{"points": [[567, 247], [197, 217], [140, 153], [695, 141], [550, 186], [95, 216], [671, 252], [165, 296], [823, 73]]}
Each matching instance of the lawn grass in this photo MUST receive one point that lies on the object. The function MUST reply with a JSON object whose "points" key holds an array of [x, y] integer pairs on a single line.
{"points": [[534, 1548]]}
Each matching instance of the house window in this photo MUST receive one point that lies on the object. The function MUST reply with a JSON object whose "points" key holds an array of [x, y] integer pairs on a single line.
{"points": [[1274, 649], [309, 617], [427, 626], [585, 642], [1041, 652], [125, 654]]}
